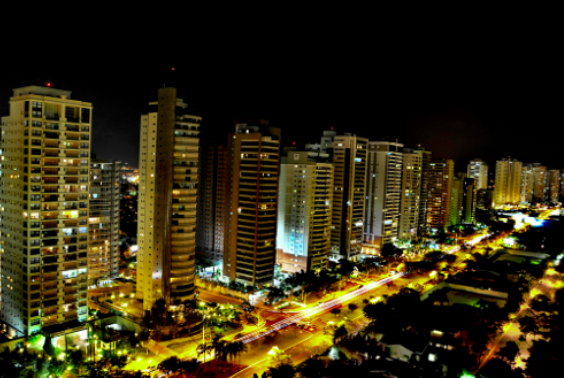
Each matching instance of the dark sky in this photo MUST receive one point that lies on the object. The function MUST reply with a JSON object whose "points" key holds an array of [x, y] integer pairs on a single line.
{"points": [[460, 94]]}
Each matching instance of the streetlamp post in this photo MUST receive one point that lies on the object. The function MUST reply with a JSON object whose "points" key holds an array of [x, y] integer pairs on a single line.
{"points": [[204, 337]]}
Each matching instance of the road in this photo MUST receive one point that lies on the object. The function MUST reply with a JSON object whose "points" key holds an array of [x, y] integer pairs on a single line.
{"points": [[302, 345], [319, 309]]}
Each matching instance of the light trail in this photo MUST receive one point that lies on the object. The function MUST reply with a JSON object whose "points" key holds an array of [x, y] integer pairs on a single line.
{"points": [[472, 242], [317, 309]]}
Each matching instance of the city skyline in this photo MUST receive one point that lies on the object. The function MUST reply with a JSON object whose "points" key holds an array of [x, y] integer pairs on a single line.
{"points": [[460, 108]]}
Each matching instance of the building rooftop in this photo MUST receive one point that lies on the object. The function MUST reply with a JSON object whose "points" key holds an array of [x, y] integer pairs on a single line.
{"points": [[42, 91]]}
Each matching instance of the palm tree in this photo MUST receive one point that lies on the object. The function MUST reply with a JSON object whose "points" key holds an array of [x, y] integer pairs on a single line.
{"points": [[339, 334], [240, 348], [219, 347]]}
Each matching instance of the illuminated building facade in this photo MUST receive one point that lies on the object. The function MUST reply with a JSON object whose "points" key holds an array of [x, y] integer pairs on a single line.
{"points": [[253, 154], [103, 221], [349, 161], [441, 174], [527, 184], [425, 165], [383, 193], [168, 182], [45, 166], [304, 213], [507, 191], [410, 194], [478, 170]]}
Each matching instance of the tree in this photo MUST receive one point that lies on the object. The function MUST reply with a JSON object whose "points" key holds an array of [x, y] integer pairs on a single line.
{"points": [[336, 311], [311, 368], [48, 347], [528, 325], [352, 307], [169, 365], [275, 294], [509, 351], [390, 252], [544, 360], [285, 370], [339, 334], [278, 357], [496, 368]]}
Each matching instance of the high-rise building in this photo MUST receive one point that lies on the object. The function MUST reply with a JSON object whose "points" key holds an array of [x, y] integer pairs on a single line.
{"points": [[253, 153], [103, 221], [553, 183], [463, 202], [485, 199], [410, 194], [168, 182], [527, 184], [383, 193], [507, 189], [478, 170], [304, 213], [45, 164], [423, 196], [211, 202], [441, 174], [349, 161], [539, 188]]}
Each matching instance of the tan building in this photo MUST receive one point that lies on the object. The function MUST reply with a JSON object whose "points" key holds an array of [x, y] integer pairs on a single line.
{"points": [[45, 164], [103, 221], [304, 213], [507, 191], [253, 153], [168, 182], [441, 174]]}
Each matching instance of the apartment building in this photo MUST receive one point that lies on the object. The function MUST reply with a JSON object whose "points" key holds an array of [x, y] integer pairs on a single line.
{"points": [[168, 185], [45, 167]]}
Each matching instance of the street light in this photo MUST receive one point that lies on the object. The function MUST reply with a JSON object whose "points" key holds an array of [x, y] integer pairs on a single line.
{"points": [[204, 337]]}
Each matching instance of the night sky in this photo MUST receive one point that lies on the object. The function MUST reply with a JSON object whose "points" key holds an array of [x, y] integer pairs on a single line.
{"points": [[461, 96]]}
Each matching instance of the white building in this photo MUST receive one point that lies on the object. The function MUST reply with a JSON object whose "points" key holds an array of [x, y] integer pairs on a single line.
{"points": [[304, 213], [478, 170]]}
